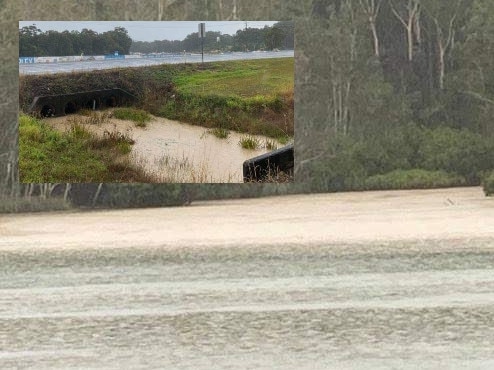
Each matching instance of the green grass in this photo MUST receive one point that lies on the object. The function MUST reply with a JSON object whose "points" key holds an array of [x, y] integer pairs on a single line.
{"points": [[140, 117], [256, 79], [220, 133], [46, 155], [284, 139], [249, 142], [254, 97]]}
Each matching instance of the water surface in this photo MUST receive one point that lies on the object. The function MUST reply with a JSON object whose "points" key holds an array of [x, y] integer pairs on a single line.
{"points": [[262, 308], [44, 68], [363, 280]]}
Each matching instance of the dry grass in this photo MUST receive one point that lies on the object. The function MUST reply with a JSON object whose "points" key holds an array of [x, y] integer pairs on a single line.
{"points": [[177, 170]]}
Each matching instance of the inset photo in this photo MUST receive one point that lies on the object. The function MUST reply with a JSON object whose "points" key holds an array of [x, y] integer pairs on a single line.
{"points": [[156, 102]]}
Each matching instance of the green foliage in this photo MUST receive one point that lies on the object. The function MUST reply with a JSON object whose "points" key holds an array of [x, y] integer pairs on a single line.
{"points": [[254, 96], [139, 116], [279, 36], [407, 157], [488, 184], [284, 139], [339, 169], [220, 133], [46, 155], [35, 43], [457, 151], [413, 179], [249, 142], [264, 78]]}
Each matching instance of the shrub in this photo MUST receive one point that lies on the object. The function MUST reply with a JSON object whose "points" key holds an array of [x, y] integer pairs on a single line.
{"points": [[488, 183], [457, 151], [413, 179], [249, 142], [220, 133], [140, 117]]}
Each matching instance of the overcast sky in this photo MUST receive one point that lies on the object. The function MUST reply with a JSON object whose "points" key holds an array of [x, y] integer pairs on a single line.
{"points": [[147, 31]]}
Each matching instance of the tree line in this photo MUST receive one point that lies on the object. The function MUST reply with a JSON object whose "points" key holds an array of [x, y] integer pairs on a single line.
{"points": [[396, 85], [391, 93], [35, 43], [279, 36]]}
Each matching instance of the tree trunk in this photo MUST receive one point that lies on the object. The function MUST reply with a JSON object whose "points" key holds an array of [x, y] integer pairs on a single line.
{"points": [[441, 63], [410, 42], [371, 9], [376, 39], [408, 24]]}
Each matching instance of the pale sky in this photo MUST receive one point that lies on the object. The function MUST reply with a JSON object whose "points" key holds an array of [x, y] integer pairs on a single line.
{"points": [[148, 31]]}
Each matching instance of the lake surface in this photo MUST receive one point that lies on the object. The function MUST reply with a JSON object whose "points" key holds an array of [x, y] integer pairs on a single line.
{"points": [[186, 288], [262, 308], [42, 68]]}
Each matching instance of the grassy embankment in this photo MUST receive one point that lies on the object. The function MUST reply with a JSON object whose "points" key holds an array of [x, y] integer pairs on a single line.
{"points": [[255, 97], [47, 155]]}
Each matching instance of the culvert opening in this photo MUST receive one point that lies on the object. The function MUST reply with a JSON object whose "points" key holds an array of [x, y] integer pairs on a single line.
{"points": [[93, 104], [111, 101], [48, 111], [70, 107]]}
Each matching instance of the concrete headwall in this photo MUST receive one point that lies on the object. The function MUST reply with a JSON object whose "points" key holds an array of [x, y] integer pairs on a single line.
{"points": [[267, 165], [59, 105]]}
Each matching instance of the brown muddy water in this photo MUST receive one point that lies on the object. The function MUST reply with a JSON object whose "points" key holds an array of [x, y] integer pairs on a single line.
{"points": [[375, 280], [178, 152]]}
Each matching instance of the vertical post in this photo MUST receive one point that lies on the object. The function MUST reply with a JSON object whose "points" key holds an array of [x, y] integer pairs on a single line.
{"points": [[202, 34]]}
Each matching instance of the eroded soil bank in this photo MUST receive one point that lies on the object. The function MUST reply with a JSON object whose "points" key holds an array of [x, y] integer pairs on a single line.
{"points": [[173, 151]]}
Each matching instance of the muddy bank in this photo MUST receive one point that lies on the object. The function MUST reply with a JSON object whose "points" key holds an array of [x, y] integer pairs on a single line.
{"points": [[173, 151], [458, 214]]}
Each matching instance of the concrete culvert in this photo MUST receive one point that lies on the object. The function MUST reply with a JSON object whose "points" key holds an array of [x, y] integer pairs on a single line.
{"points": [[70, 107], [111, 101], [48, 111], [93, 104]]}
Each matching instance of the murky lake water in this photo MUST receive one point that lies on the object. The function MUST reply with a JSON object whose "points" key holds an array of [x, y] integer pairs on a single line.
{"points": [[178, 152], [262, 308], [42, 68], [373, 280]]}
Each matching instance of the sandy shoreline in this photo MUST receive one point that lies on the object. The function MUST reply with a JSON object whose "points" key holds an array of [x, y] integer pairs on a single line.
{"points": [[360, 217]]}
